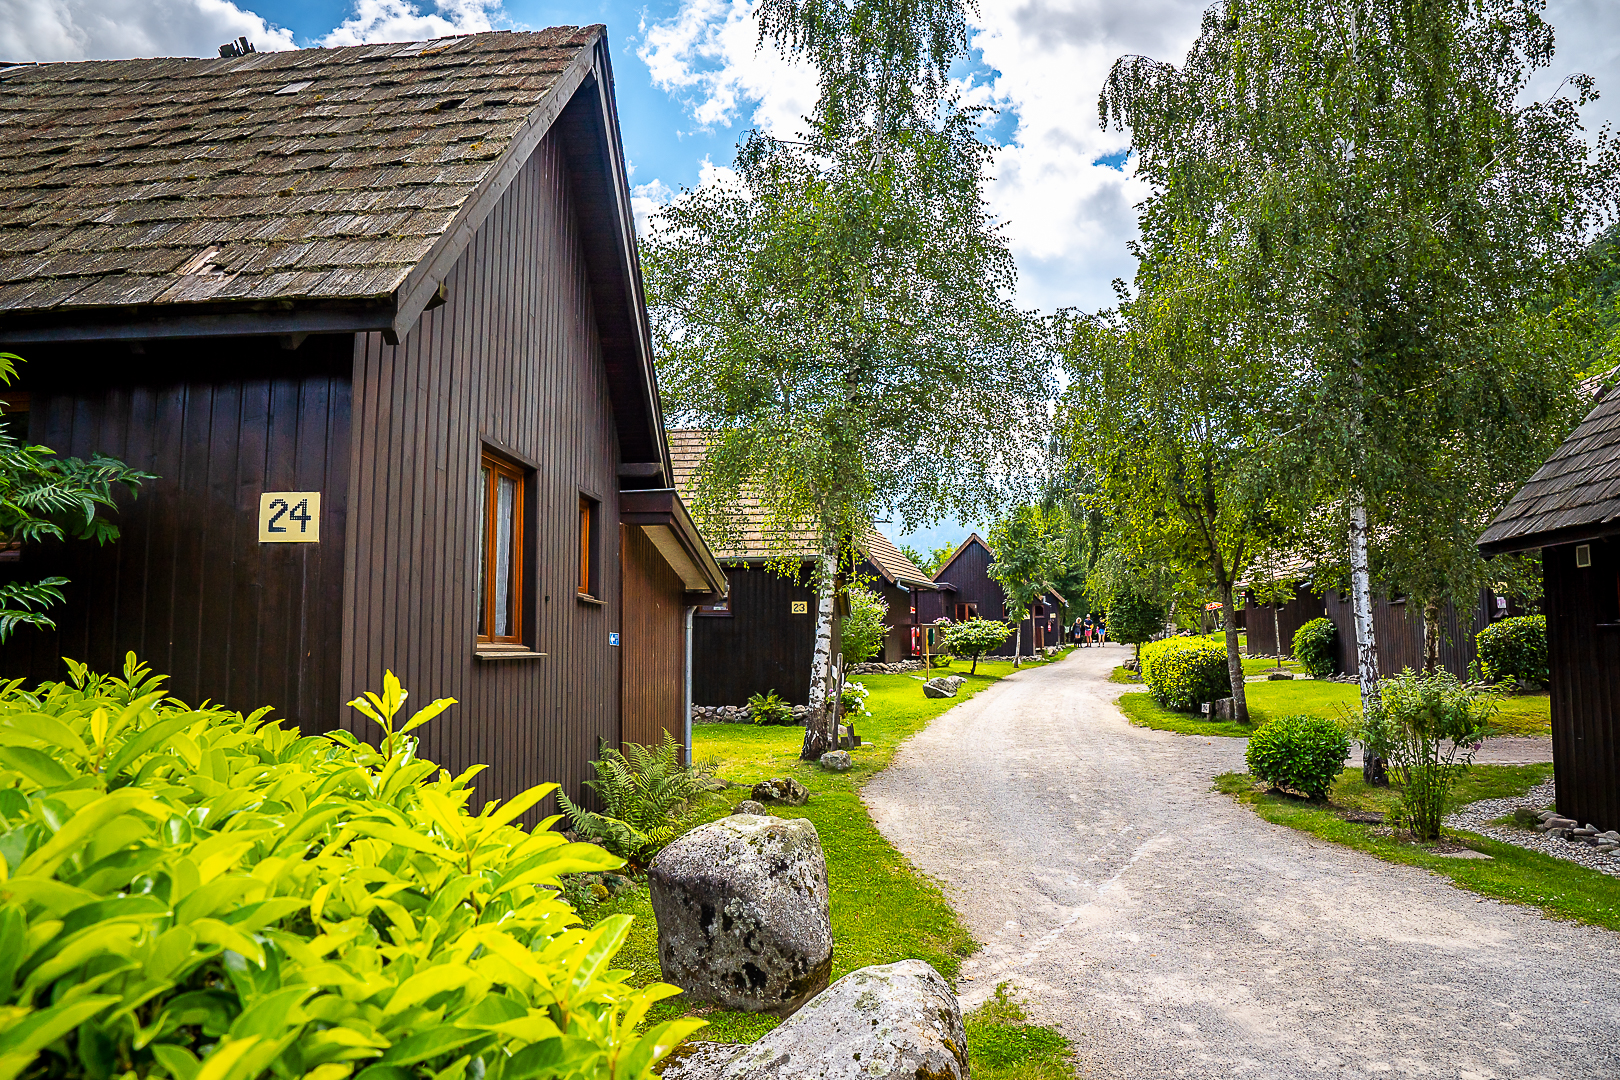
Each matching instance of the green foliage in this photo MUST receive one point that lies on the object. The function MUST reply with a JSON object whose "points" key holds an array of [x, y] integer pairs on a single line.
{"points": [[1136, 616], [863, 628], [769, 709], [203, 895], [854, 700], [1435, 724], [975, 637], [1514, 650], [1299, 753], [1184, 672], [45, 497], [930, 563], [1313, 646], [647, 796], [1002, 1043]]}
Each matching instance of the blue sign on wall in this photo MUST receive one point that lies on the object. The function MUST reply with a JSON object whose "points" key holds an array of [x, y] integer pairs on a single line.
{"points": [[613, 637]]}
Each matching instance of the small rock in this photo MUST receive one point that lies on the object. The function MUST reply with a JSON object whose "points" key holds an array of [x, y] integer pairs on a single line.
{"points": [[1545, 814], [783, 790], [895, 1022], [741, 905], [749, 806], [1605, 848], [1557, 822], [836, 761]]}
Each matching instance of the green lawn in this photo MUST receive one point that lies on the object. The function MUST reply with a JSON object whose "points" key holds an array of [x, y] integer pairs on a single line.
{"points": [[1259, 666], [1523, 714], [882, 909], [1122, 674], [1266, 699], [1556, 886]]}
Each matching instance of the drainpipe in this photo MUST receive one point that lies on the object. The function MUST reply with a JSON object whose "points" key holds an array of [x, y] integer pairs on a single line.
{"points": [[687, 696]]}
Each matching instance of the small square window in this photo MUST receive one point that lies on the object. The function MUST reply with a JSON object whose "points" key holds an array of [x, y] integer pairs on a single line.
{"points": [[718, 608], [502, 498]]}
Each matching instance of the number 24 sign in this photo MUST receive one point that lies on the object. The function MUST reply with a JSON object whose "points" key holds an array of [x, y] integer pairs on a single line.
{"points": [[290, 517]]}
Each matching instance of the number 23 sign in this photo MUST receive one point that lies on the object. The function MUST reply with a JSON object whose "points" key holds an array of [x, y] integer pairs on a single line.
{"points": [[290, 517]]}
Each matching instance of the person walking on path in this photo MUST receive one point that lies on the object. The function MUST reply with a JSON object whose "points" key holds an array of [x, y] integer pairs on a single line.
{"points": [[1079, 628], [1102, 631], [1090, 630]]}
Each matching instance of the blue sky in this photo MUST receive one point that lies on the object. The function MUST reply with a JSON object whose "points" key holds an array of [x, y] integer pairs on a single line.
{"points": [[690, 81]]}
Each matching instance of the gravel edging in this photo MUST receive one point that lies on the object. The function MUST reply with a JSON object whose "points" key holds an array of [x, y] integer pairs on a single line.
{"points": [[1474, 816]]}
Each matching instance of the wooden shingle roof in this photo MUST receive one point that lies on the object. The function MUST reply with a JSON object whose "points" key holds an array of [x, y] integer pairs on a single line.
{"points": [[315, 175], [1574, 496], [686, 450]]}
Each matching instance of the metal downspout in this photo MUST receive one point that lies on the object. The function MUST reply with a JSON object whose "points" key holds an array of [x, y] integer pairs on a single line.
{"points": [[687, 696]]}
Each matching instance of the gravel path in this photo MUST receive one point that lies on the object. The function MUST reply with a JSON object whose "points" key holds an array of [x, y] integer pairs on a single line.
{"points": [[1171, 932]]}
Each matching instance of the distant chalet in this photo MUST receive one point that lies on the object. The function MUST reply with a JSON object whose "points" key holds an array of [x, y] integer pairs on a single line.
{"points": [[374, 317]]}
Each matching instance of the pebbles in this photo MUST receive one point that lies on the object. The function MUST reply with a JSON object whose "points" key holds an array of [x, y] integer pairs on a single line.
{"points": [[1474, 818]]}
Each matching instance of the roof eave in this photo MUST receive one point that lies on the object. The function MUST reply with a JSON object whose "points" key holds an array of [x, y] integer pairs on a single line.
{"points": [[1570, 534]]}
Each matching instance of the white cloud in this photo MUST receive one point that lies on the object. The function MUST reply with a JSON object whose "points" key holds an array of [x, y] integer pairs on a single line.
{"points": [[46, 30], [707, 56], [646, 200], [401, 20]]}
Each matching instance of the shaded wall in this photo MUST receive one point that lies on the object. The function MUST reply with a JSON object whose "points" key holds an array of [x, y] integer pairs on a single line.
{"points": [[1583, 646], [512, 360], [1262, 629], [188, 588], [761, 645], [651, 645]]}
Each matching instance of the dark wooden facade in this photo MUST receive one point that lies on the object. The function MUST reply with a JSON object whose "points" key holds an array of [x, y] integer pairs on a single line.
{"points": [[533, 347], [967, 590], [761, 644]]}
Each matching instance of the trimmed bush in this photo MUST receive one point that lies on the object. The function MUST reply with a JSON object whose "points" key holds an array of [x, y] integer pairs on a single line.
{"points": [[975, 637], [1514, 649], [1299, 753], [1182, 673], [198, 894], [1313, 646]]}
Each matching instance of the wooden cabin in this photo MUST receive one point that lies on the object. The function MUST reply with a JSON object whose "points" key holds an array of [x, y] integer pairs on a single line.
{"points": [[373, 317], [967, 591], [761, 637], [1570, 510]]}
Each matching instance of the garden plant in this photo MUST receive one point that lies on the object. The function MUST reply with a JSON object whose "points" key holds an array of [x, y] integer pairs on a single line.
{"points": [[1300, 753], [863, 628], [975, 637], [1514, 651], [1435, 725], [647, 796], [1313, 647], [769, 709], [1182, 673], [198, 894]]}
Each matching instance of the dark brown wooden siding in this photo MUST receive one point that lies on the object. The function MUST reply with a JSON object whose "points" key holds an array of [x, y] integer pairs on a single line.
{"points": [[761, 646], [651, 646], [1399, 628], [1583, 651], [511, 361], [1262, 629], [188, 588]]}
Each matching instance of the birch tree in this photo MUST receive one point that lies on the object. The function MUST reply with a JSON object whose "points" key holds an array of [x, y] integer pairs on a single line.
{"points": [[1404, 203], [839, 316]]}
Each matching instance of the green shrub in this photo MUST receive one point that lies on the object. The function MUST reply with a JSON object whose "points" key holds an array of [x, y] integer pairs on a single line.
{"points": [[1436, 723], [1183, 673], [203, 895], [973, 638], [647, 799], [1313, 646], [854, 700], [1514, 649], [768, 709], [863, 628], [1299, 753]]}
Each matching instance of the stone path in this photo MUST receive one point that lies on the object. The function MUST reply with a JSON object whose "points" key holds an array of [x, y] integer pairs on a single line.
{"points": [[1173, 933]]}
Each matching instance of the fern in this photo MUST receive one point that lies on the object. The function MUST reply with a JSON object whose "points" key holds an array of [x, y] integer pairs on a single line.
{"points": [[647, 799]]}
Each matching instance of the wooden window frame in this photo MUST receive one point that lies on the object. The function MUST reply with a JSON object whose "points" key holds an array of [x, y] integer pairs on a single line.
{"points": [[721, 609], [589, 529], [498, 467]]}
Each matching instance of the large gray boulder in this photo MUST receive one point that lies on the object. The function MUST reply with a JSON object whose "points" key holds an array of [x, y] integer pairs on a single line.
{"points": [[942, 687], [742, 913], [878, 1023]]}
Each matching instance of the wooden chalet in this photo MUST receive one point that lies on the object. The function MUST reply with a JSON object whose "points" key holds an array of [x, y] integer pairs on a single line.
{"points": [[373, 316], [1570, 510], [967, 591], [761, 637]]}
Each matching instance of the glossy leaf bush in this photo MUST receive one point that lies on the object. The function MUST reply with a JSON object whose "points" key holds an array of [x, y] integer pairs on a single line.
{"points": [[198, 894], [1184, 672], [1299, 753], [1514, 650], [1313, 647]]}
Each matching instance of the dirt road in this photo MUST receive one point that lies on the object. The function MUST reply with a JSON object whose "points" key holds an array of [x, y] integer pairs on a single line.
{"points": [[1173, 933]]}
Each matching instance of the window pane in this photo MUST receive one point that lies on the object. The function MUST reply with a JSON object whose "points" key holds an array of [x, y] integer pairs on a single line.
{"points": [[585, 546], [483, 551], [505, 553]]}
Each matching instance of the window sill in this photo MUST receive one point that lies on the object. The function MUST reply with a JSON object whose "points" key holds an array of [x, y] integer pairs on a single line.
{"points": [[587, 598], [506, 652]]}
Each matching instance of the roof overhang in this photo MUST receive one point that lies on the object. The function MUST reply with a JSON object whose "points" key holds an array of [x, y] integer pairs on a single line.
{"points": [[1574, 534], [661, 515]]}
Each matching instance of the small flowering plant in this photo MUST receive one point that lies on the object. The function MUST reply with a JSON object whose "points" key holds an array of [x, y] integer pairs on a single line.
{"points": [[854, 701]]}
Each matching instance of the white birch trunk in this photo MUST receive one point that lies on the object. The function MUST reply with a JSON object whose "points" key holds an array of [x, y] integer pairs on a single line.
{"points": [[1372, 767], [818, 734]]}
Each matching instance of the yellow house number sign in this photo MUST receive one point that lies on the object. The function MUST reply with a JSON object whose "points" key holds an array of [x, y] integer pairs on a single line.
{"points": [[290, 517], [801, 607]]}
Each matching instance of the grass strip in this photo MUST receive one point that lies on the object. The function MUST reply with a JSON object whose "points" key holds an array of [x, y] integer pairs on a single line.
{"points": [[1004, 1045], [1557, 887], [883, 910]]}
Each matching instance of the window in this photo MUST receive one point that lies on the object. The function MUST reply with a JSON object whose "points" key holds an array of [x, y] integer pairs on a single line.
{"points": [[964, 612], [501, 554], [722, 607], [590, 543]]}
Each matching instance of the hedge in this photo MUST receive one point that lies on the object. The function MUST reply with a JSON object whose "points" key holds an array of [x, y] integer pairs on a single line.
{"points": [[203, 895], [1184, 672], [1313, 647], [1514, 649]]}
